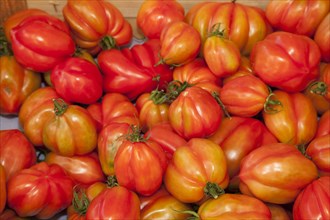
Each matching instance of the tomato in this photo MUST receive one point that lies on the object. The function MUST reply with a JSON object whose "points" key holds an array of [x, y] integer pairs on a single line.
{"points": [[135, 156], [319, 151], [313, 201], [279, 212], [294, 121], [85, 169], [70, 130], [3, 189], [238, 136], [16, 84], [40, 42], [180, 43], [114, 203], [109, 140], [18, 17], [244, 25], [234, 206], [168, 139], [151, 112], [153, 16], [221, 55], [322, 36], [10, 214], [319, 90], [244, 96], [197, 171], [299, 17], [190, 114], [16, 152], [77, 80], [286, 61], [35, 112], [91, 21], [198, 74], [276, 173], [323, 127], [42, 191]]}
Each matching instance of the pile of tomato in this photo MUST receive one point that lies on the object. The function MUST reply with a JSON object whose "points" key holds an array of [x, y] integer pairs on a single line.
{"points": [[221, 112]]}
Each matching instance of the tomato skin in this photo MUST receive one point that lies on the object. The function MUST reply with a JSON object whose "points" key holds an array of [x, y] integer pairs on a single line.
{"points": [[286, 61], [279, 212], [244, 96], [42, 190], [180, 43], [3, 189], [319, 151], [323, 127], [313, 201], [237, 137], [168, 139], [114, 203], [197, 73], [190, 114], [222, 56], [90, 21], [153, 16], [40, 42], [14, 142], [295, 122], [192, 167], [72, 132], [16, 84], [234, 206], [134, 158], [85, 169], [77, 81], [244, 25], [322, 36], [299, 17], [276, 173]]}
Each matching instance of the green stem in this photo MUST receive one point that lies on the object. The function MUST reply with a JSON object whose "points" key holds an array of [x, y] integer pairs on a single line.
{"points": [[108, 43], [80, 201], [217, 98], [271, 104], [319, 88], [213, 190], [194, 216], [59, 106], [112, 181]]}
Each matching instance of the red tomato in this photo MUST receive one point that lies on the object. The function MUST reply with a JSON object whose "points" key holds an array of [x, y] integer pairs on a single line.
{"points": [[91, 21], [153, 16], [238, 136], [70, 130], [16, 85], [42, 191], [16, 152], [299, 17], [35, 112], [190, 114], [168, 139], [9, 214], [151, 112], [3, 189], [323, 127], [198, 74], [244, 25], [114, 203], [294, 121], [322, 37], [197, 171], [222, 55], [40, 42], [135, 156], [279, 212], [234, 206], [286, 61], [85, 169], [319, 151], [180, 43], [276, 173], [313, 201], [244, 96], [109, 139], [77, 80]]}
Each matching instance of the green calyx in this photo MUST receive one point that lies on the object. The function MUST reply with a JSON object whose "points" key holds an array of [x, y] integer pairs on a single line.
{"points": [[59, 106], [80, 201], [319, 88], [108, 43], [213, 190]]}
